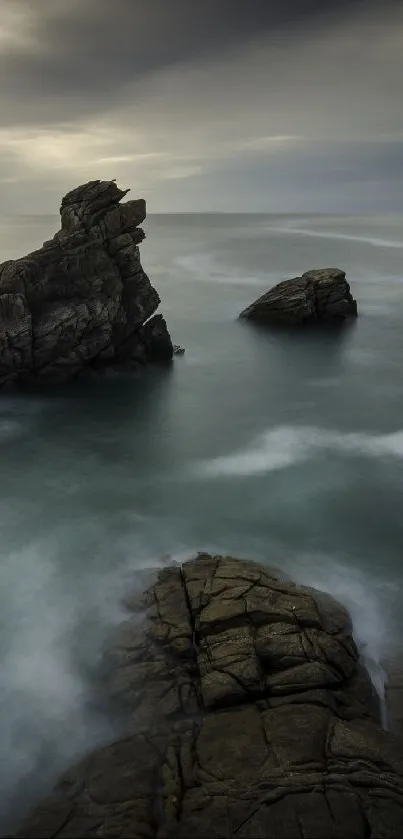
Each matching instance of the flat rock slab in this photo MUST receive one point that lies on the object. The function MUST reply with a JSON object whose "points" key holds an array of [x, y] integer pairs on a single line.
{"points": [[251, 717]]}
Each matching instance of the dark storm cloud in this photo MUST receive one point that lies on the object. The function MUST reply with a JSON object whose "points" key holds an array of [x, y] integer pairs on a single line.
{"points": [[80, 56]]}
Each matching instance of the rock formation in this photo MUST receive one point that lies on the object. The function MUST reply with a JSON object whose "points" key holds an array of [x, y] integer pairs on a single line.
{"points": [[318, 296], [251, 717], [394, 693], [82, 301]]}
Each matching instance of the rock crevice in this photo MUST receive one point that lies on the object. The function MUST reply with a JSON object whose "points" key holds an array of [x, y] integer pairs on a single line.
{"points": [[249, 732]]}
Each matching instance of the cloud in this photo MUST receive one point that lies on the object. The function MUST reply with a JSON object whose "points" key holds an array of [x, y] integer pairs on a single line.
{"points": [[178, 172], [204, 95], [254, 144], [71, 148], [80, 57]]}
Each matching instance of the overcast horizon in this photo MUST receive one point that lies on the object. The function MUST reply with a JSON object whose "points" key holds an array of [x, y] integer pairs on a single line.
{"points": [[232, 107]]}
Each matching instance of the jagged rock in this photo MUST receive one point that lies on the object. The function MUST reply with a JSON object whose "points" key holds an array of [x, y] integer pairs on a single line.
{"points": [[81, 300], [157, 340], [318, 296], [178, 350], [252, 717]]}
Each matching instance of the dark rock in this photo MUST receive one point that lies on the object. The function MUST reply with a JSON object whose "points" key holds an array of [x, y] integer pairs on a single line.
{"points": [[80, 302], [156, 340], [318, 296], [178, 350], [252, 716], [394, 693]]}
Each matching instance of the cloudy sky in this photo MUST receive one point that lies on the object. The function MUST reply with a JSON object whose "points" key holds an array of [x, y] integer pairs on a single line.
{"points": [[244, 105]]}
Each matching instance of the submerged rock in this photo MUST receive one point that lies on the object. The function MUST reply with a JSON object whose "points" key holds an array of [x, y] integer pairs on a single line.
{"points": [[251, 716], [82, 300], [318, 296]]}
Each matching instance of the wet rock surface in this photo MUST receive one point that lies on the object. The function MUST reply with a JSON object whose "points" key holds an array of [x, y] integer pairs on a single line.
{"points": [[82, 300], [318, 296], [250, 716], [394, 693]]}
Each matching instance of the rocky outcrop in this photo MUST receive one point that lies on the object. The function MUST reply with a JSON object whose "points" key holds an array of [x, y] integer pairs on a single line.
{"points": [[251, 717], [83, 300], [394, 693], [318, 296]]}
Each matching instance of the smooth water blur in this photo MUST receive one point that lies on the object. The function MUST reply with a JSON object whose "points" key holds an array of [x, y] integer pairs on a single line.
{"points": [[285, 448]]}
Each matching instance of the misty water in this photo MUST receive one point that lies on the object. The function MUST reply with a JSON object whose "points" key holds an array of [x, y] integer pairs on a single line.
{"points": [[284, 448]]}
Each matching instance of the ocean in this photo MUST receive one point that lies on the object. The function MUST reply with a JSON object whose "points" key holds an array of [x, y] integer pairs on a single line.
{"points": [[286, 448]]}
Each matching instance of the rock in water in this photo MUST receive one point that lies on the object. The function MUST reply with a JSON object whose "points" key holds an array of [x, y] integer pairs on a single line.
{"points": [[318, 296], [251, 717], [81, 301]]}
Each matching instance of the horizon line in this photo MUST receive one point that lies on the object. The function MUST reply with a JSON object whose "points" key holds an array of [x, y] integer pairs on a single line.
{"points": [[232, 213]]}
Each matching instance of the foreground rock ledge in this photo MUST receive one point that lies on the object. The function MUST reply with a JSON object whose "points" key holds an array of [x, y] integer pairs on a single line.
{"points": [[252, 717], [82, 301], [318, 296]]}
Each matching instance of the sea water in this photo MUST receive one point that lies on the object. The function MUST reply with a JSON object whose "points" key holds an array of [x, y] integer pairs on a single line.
{"points": [[284, 448]]}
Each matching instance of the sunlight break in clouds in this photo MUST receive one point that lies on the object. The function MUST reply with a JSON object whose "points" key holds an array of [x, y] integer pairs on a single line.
{"points": [[69, 149], [72, 149]]}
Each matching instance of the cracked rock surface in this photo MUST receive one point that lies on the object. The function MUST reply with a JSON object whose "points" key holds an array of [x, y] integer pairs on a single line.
{"points": [[251, 717], [82, 300], [318, 296]]}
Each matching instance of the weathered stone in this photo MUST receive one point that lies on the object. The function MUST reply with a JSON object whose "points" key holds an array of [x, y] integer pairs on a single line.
{"points": [[81, 302], [318, 296], [219, 750], [394, 693], [156, 340]]}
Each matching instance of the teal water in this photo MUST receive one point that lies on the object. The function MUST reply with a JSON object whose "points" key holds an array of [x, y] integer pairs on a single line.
{"points": [[287, 449]]}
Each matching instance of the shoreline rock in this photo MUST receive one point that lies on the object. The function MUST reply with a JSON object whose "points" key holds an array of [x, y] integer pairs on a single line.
{"points": [[319, 296], [82, 301], [251, 715], [394, 694]]}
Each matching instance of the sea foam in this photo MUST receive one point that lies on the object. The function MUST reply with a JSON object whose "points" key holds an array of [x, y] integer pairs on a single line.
{"points": [[369, 601], [286, 446], [375, 241], [207, 269]]}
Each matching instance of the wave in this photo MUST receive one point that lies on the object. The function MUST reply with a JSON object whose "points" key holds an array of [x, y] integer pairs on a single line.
{"points": [[55, 626], [321, 234], [289, 445], [205, 268], [370, 601]]}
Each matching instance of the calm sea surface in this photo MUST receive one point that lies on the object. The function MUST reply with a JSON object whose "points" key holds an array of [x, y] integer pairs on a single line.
{"points": [[287, 449]]}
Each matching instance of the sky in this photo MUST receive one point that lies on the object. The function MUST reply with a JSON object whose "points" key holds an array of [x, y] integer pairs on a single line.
{"points": [[204, 105]]}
